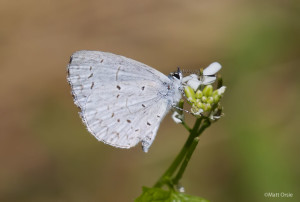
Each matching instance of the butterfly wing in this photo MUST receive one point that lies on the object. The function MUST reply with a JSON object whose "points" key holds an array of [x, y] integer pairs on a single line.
{"points": [[123, 118], [87, 69], [121, 100]]}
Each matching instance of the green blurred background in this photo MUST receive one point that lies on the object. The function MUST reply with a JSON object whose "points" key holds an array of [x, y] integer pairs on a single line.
{"points": [[46, 154]]}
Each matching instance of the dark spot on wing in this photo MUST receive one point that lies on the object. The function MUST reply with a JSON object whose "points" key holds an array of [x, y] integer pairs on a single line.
{"points": [[143, 105], [71, 58], [118, 95], [90, 75], [158, 116], [118, 120], [118, 87], [112, 115], [149, 124], [117, 73], [136, 130], [128, 121], [91, 68], [101, 61], [143, 87], [92, 85]]}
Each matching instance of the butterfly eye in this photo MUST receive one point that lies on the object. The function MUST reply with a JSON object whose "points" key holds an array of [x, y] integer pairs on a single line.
{"points": [[176, 75]]}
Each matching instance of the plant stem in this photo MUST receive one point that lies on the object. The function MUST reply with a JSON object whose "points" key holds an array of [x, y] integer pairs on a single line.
{"points": [[185, 161], [166, 177], [190, 151], [186, 126]]}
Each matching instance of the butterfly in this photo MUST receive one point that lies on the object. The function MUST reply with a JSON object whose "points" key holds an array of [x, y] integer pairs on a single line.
{"points": [[122, 101]]}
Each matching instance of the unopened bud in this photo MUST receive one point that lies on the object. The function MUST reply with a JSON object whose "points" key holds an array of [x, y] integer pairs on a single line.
{"points": [[221, 90], [194, 109], [208, 90], [199, 105], [190, 94], [199, 94], [206, 107], [210, 100], [216, 98]]}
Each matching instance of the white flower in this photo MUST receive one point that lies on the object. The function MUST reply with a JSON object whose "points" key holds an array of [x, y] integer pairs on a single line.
{"points": [[212, 117], [206, 78], [198, 112], [192, 81], [221, 90], [177, 118], [212, 69]]}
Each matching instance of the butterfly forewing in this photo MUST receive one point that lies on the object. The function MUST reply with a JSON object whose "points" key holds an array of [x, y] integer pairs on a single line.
{"points": [[89, 68]]}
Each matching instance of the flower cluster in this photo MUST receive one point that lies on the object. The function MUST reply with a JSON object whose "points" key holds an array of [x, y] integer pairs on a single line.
{"points": [[205, 102], [201, 95]]}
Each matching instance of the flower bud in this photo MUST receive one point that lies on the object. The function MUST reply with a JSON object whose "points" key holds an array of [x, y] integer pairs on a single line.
{"points": [[210, 100], [180, 106], [204, 99], [194, 109], [181, 103], [199, 104], [217, 94], [199, 94], [221, 90], [206, 107], [190, 94], [216, 98], [208, 90]]}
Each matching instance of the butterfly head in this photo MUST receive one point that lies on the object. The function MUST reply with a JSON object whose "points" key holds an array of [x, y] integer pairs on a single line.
{"points": [[177, 76], [175, 87]]}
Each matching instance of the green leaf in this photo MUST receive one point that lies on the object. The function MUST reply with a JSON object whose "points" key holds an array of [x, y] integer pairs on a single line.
{"points": [[159, 195]]}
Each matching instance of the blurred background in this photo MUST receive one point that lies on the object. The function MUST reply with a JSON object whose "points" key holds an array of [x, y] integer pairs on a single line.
{"points": [[46, 154]]}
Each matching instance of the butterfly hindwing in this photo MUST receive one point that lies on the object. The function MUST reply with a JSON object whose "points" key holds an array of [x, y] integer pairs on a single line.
{"points": [[123, 117]]}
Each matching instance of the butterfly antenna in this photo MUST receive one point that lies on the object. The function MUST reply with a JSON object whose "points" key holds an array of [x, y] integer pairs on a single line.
{"points": [[181, 109]]}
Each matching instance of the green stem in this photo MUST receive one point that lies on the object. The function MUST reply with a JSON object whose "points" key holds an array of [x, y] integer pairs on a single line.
{"points": [[166, 177], [190, 152], [185, 161], [186, 126]]}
